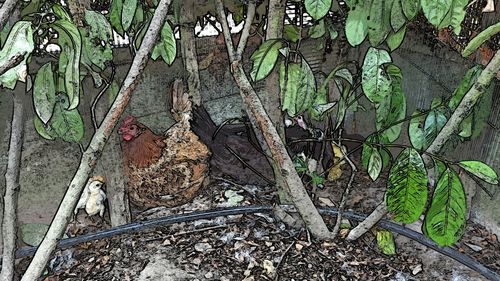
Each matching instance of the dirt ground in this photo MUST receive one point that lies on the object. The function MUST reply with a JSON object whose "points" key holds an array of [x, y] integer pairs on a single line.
{"points": [[259, 247]]}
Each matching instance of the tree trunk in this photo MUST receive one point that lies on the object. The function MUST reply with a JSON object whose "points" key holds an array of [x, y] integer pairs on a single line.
{"points": [[451, 127], [9, 223], [93, 151]]}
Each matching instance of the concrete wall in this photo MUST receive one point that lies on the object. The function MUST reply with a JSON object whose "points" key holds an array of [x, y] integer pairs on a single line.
{"points": [[48, 166]]}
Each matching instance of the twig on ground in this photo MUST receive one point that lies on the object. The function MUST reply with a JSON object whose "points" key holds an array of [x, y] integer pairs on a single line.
{"points": [[281, 260]]}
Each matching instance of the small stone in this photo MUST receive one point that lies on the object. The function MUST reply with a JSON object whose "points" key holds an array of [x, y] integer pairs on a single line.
{"points": [[209, 275], [268, 244], [167, 242], [417, 269], [299, 246], [323, 201], [196, 261], [474, 247], [202, 247], [268, 266], [247, 272]]}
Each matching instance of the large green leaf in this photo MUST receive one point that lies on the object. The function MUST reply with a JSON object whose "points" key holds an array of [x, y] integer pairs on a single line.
{"points": [[434, 122], [44, 93], [482, 37], [32, 233], [356, 26], [375, 165], [371, 146], [291, 32], [115, 16], [45, 131], [379, 22], [317, 9], [264, 59], [69, 60], [398, 19], [436, 10], [67, 124], [317, 30], [19, 42], [128, 12], [410, 8], [480, 170], [167, 47], [375, 82], [407, 187], [445, 220], [394, 40], [94, 52], [321, 104], [455, 16], [99, 26], [298, 87], [32, 7], [469, 79], [393, 108], [416, 131]]}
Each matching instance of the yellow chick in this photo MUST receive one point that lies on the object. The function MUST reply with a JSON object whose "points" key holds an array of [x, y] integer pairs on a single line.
{"points": [[92, 198]]}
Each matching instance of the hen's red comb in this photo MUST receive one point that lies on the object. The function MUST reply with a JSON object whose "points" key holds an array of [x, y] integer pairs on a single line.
{"points": [[128, 120]]}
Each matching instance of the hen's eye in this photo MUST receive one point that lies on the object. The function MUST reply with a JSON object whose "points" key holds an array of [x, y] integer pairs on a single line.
{"points": [[131, 128]]}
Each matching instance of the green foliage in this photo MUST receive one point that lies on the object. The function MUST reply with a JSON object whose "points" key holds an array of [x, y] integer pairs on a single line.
{"points": [[416, 131], [406, 194], [69, 60], [291, 33], [392, 109], [480, 170], [375, 81], [482, 37], [317, 9], [398, 19], [343, 81], [128, 12], [298, 87], [394, 40], [96, 40], [264, 58], [19, 42], [445, 220], [436, 10], [167, 47], [455, 16], [385, 242], [434, 122], [115, 16], [375, 164], [44, 93], [66, 124], [318, 30], [356, 26], [410, 8], [32, 233], [379, 22]]}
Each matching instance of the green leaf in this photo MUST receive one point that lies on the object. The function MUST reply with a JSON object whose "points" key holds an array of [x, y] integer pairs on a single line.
{"points": [[398, 19], [32, 7], [317, 9], [298, 87], [469, 79], [410, 8], [67, 124], [115, 16], [356, 26], [439, 168], [416, 131], [19, 42], [61, 12], [291, 33], [375, 82], [128, 12], [167, 47], [374, 165], [436, 10], [385, 242], [379, 22], [264, 59], [482, 110], [44, 93], [94, 52], [332, 32], [45, 131], [482, 37], [99, 26], [69, 59], [455, 16], [434, 122], [406, 194], [394, 40], [480, 170], [445, 220], [393, 108], [317, 30], [466, 127], [238, 13]]}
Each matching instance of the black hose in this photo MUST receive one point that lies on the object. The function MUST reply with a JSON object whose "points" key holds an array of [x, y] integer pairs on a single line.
{"points": [[210, 214]]}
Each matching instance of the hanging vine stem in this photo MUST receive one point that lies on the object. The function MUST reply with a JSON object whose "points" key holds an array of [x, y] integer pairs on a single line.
{"points": [[101, 92]]}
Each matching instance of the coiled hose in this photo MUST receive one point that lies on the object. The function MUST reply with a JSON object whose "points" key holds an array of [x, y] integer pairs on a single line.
{"points": [[210, 214]]}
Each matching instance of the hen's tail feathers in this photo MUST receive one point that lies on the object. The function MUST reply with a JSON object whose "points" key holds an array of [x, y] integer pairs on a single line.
{"points": [[181, 105], [202, 125]]}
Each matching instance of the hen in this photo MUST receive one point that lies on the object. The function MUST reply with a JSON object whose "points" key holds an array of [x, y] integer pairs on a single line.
{"points": [[164, 170]]}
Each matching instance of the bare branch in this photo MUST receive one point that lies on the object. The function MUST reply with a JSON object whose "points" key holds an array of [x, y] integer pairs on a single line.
{"points": [[221, 14], [93, 151], [12, 62], [6, 11], [245, 33]]}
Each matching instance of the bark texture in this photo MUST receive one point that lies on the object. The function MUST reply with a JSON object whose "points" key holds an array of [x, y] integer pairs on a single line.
{"points": [[188, 50]]}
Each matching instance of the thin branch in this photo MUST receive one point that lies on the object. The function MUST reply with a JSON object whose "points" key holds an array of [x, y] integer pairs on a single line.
{"points": [[221, 14], [94, 150], [6, 11], [245, 33], [9, 222], [98, 97], [12, 62]]}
